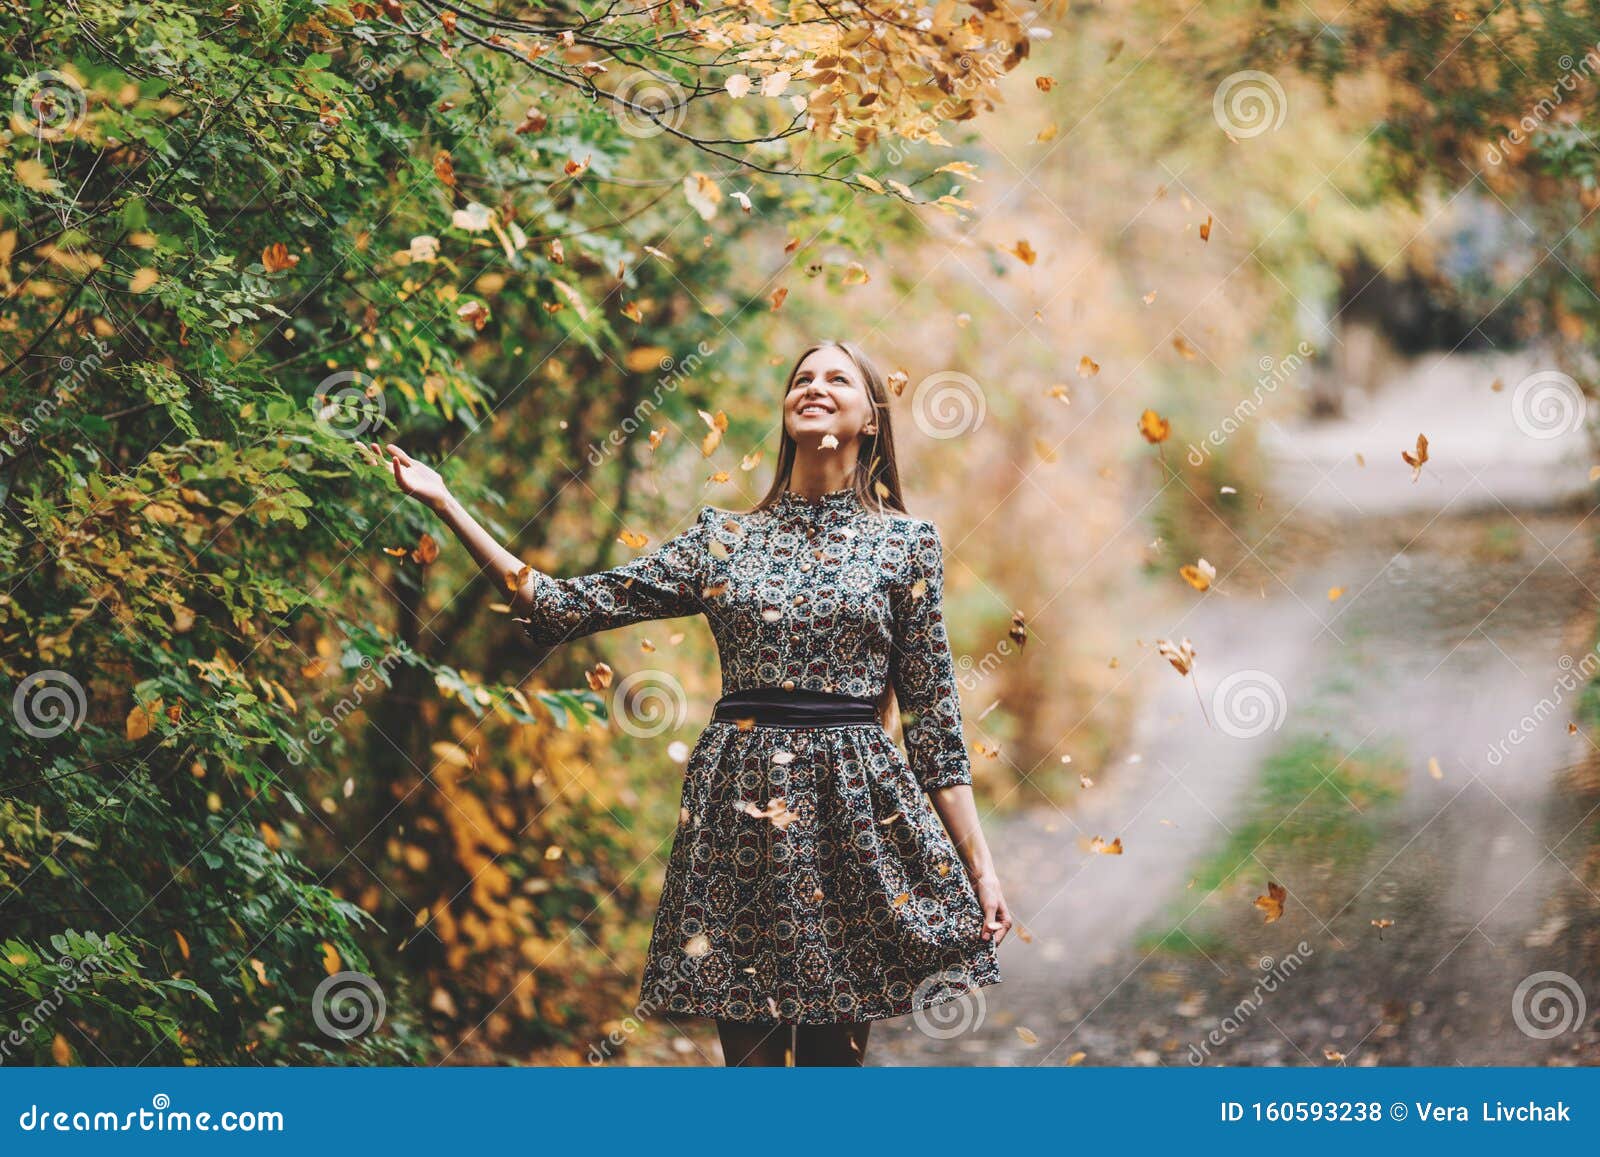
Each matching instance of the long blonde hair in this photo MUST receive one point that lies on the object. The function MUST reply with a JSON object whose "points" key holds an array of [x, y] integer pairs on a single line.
{"points": [[877, 476]]}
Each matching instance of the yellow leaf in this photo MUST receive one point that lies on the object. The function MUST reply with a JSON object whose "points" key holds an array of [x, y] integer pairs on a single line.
{"points": [[60, 1050], [330, 958]]}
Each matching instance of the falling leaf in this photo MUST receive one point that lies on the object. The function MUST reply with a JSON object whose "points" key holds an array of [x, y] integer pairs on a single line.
{"points": [[1023, 252], [444, 168], [697, 945], [1200, 576], [599, 677], [330, 959], [1272, 902], [1334, 594], [1019, 626], [829, 442], [142, 280], [1027, 1036], [275, 258], [183, 943], [1434, 769], [1154, 427], [855, 273], [1044, 83], [900, 900], [716, 424], [60, 1050], [632, 539], [1205, 229], [777, 810], [1100, 847], [702, 193], [1084, 781], [1180, 655], [475, 218], [427, 549], [1416, 460], [776, 298], [1087, 367], [1332, 1054], [1076, 1058]]}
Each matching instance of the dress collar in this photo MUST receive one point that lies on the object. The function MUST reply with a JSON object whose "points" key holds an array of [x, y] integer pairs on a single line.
{"points": [[832, 501]]}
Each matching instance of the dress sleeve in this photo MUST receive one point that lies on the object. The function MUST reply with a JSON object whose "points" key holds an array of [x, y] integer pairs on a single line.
{"points": [[922, 671], [663, 584]]}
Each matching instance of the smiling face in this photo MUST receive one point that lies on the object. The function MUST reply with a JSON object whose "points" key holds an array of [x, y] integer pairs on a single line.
{"points": [[828, 395]]}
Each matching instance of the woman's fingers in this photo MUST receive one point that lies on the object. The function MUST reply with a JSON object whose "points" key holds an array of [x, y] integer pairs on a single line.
{"points": [[400, 455], [1004, 920]]}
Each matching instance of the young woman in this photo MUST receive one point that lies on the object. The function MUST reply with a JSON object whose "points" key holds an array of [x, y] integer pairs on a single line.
{"points": [[810, 889]]}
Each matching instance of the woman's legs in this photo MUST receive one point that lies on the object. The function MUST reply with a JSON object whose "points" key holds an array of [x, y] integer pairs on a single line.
{"points": [[747, 1045], [842, 1044]]}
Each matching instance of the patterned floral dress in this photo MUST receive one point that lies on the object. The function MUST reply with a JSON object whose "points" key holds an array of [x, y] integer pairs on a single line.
{"points": [[851, 902]]}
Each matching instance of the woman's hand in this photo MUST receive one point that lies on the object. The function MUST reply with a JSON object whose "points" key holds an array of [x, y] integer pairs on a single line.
{"points": [[420, 482], [996, 917]]}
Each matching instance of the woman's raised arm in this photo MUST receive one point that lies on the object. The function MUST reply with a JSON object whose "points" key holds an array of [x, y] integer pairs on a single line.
{"points": [[664, 584], [423, 483]]}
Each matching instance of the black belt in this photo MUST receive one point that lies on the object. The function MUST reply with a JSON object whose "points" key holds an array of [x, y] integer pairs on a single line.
{"points": [[775, 707]]}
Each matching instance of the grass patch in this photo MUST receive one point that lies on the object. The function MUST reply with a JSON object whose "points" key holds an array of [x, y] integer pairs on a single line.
{"points": [[1315, 799]]}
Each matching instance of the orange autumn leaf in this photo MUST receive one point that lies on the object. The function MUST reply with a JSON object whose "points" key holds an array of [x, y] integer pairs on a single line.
{"points": [[275, 258], [632, 539], [1154, 427], [1100, 847], [1200, 575], [444, 168], [1415, 460], [1272, 902], [427, 549], [599, 677]]}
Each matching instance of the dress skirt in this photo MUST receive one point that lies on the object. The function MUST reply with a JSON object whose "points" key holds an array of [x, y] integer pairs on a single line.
{"points": [[810, 882]]}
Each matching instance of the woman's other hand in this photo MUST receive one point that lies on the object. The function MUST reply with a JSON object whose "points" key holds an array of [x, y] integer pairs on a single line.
{"points": [[996, 917], [420, 482]]}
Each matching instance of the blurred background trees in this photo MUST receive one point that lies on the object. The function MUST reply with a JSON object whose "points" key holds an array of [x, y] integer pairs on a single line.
{"points": [[268, 730]]}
